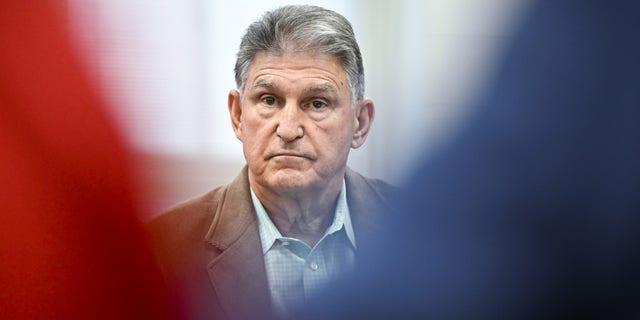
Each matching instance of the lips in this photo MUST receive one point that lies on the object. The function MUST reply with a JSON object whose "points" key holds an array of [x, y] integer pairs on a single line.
{"points": [[289, 154]]}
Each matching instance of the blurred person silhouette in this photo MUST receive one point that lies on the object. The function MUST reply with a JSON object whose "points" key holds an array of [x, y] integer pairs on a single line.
{"points": [[533, 210], [71, 246], [293, 218]]}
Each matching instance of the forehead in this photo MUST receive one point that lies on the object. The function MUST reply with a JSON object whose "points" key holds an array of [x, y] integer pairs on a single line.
{"points": [[296, 68]]}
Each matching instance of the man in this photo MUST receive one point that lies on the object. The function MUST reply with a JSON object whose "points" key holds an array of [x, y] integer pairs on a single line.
{"points": [[294, 217]]}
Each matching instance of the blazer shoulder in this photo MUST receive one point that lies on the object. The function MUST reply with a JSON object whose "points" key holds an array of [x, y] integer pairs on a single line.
{"points": [[373, 188], [188, 221], [382, 186]]}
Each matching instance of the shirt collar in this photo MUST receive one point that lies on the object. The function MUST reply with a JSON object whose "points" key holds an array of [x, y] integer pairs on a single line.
{"points": [[269, 233]]}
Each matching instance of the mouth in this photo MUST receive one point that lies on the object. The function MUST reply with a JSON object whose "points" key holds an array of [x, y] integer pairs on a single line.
{"points": [[289, 154]]}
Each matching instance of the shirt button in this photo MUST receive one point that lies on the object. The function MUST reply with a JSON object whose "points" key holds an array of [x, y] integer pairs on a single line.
{"points": [[285, 243], [313, 265]]}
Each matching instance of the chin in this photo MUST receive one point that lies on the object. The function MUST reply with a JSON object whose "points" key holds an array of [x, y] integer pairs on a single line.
{"points": [[290, 180]]}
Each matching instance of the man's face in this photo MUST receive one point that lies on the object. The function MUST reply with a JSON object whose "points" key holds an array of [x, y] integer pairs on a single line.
{"points": [[296, 121]]}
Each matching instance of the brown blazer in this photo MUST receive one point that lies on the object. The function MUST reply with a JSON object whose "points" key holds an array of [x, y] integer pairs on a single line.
{"points": [[210, 252]]}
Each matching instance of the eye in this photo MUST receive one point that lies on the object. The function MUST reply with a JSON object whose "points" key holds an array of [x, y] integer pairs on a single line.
{"points": [[269, 100], [317, 104]]}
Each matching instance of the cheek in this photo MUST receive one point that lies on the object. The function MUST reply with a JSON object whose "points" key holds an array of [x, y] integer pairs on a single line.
{"points": [[344, 128], [256, 135], [254, 126], [335, 140]]}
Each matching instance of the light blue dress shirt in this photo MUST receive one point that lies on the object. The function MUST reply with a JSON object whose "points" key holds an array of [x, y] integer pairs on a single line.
{"points": [[296, 271]]}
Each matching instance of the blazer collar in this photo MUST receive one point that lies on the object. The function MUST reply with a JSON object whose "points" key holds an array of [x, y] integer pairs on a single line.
{"points": [[367, 206], [236, 214]]}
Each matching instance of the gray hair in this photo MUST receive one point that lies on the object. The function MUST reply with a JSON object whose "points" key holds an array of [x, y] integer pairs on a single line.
{"points": [[303, 28]]}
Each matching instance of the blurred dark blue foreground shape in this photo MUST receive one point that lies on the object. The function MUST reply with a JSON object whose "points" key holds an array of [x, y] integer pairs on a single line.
{"points": [[533, 211]]}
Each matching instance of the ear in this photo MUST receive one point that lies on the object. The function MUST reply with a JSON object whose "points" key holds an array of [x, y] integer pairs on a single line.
{"points": [[364, 114], [235, 112]]}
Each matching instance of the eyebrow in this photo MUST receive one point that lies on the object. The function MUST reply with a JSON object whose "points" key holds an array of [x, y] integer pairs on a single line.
{"points": [[325, 87], [264, 84]]}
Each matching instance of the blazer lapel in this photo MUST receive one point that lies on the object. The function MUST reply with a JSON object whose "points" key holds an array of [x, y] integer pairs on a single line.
{"points": [[238, 274]]}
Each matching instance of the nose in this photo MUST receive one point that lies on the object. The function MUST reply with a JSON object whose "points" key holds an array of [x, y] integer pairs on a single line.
{"points": [[290, 125]]}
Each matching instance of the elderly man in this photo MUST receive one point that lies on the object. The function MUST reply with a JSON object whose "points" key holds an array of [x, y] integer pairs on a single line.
{"points": [[293, 219]]}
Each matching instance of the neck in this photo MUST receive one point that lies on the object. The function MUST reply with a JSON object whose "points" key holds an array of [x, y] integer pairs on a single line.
{"points": [[300, 215]]}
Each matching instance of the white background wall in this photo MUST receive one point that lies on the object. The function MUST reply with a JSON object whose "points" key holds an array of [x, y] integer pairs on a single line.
{"points": [[166, 67]]}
